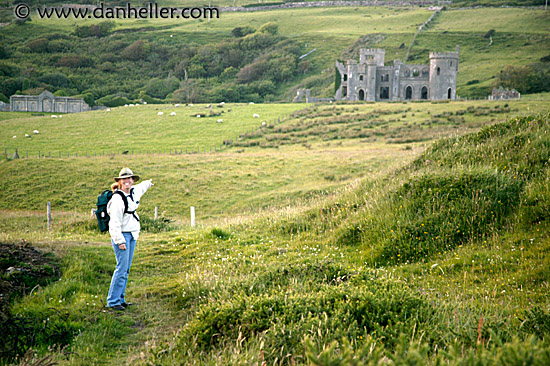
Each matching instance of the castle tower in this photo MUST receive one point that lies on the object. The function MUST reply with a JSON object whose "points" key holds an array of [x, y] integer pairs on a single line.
{"points": [[352, 82], [443, 71], [369, 54], [371, 81]]}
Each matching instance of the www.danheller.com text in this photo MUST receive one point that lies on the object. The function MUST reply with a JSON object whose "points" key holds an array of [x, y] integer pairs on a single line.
{"points": [[150, 11]]}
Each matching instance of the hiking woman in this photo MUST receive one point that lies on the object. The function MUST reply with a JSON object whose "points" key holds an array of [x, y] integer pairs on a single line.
{"points": [[124, 229]]}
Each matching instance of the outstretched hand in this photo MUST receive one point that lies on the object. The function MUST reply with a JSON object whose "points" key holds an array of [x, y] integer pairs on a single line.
{"points": [[122, 246]]}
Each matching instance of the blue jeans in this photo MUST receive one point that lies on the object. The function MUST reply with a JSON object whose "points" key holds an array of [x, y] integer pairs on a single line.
{"points": [[122, 270]]}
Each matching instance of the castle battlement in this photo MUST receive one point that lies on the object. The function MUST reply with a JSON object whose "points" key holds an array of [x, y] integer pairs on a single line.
{"points": [[443, 54]]}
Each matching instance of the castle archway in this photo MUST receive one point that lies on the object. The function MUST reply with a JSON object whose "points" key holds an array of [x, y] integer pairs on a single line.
{"points": [[449, 93], [361, 94], [424, 93], [408, 92]]}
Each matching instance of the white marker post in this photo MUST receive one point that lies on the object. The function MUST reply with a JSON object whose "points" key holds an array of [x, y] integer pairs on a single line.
{"points": [[49, 214], [192, 216]]}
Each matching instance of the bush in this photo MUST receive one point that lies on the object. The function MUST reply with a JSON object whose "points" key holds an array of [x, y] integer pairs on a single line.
{"points": [[113, 101]]}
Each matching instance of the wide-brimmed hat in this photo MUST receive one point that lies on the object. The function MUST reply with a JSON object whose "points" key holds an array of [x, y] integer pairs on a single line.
{"points": [[126, 173]]}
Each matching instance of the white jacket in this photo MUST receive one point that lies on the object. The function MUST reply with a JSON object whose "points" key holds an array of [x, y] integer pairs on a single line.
{"points": [[121, 222]]}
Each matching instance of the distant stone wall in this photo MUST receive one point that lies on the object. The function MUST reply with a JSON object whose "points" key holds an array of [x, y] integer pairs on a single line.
{"points": [[316, 4]]}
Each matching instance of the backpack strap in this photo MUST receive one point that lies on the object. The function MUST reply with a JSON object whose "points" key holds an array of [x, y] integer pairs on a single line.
{"points": [[125, 200]]}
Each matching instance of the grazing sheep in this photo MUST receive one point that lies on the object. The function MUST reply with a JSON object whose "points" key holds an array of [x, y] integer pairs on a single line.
{"points": [[251, 103], [264, 124], [209, 106], [173, 113], [160, 113], [54, 116], [27, 135], [176, 105], [144, 102], [108, 110], [198, 116], [60, 116], [130, 105], [14, 137], [256, 115], [220, 120], [35, 132], [190, 105], [126, 105]]}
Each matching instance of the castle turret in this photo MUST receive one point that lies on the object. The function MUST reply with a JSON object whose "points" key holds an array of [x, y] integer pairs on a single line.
{"points": [[443, 71]]}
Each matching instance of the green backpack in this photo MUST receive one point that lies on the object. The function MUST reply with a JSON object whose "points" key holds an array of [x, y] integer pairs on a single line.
{"points": [[101, 211]]}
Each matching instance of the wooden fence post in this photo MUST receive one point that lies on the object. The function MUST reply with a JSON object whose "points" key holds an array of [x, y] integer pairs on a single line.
{"points": [[156, 212], [193, 216], [49, 213]]}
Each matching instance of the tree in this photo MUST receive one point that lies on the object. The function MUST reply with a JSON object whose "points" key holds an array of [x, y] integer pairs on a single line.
{"points": [[513, 77], [136, 51]]}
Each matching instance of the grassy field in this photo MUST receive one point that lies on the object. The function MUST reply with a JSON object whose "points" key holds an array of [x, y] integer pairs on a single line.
{"points": [[348, 251]]}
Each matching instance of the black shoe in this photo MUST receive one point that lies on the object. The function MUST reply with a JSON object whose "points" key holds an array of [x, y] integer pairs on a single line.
{"points": [[126, 304], [118, 307]]}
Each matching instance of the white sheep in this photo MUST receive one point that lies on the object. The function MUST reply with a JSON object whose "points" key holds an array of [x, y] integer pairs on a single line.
{"points": [[251, 103], [220, 120], [173, 113], [108, 110], [198, 116], [190, 105], [131, 105], [35, 132], [14, 137], [60, 116], [264, 124], [27, 135], [126, 105], [144, 102], [54, 116], [160, 113], [176, 105], [256, 115]]}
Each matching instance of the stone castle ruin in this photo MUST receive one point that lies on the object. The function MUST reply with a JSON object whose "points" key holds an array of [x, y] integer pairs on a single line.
{"points": [[47, 102], [370, 80]]}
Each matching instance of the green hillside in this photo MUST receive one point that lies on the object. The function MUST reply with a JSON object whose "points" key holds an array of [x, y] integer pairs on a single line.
{"points": [[144, 59], [442, 260]]}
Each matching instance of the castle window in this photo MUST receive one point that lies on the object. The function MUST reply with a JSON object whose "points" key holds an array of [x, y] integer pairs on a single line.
{"points": [[344, 91], [425, 72], [407, 73], [345, 77], [415, 73], [449, 93], [361, 77], [438, 70], [451, 63]]}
